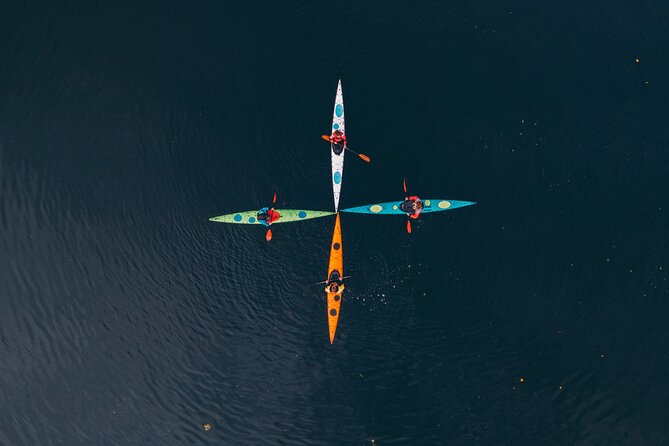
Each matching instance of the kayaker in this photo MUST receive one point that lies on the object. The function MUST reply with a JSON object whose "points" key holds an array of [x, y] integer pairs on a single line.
{"points": [[337, 137], [334, 287], [267, 216], [334, 284], [413, 206]]}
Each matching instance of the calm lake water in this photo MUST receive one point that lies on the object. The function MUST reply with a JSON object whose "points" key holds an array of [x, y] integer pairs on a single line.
{"points": [[538, 316]]}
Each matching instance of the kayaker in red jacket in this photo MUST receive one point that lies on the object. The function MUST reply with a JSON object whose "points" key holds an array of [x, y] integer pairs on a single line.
{"points": [[267, 216], [413, 206], [338, 137]]}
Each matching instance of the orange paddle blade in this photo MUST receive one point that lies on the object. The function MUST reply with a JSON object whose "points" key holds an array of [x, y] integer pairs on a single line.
{"points": [[365, 158], [325, 138], [409, 226], [268, 236]]}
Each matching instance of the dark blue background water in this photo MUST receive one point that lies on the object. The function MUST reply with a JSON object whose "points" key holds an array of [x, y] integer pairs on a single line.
{"points": [[128, 318]]}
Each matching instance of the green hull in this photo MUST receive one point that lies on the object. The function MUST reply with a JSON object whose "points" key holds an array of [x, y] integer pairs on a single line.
{"points": [[286, 216]]}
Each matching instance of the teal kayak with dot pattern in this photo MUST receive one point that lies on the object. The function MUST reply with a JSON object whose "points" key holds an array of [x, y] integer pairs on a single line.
{"points": [[393, 207], [285, 216]]}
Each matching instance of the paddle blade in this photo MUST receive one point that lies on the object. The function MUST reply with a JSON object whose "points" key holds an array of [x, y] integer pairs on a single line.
{"points": [[364, 157], [274, 200], [268, 236], [404, 183], [325, 138], [409, 226]]}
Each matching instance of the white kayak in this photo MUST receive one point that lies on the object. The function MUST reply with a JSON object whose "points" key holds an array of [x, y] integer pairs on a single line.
{"points": [[337, 151]]}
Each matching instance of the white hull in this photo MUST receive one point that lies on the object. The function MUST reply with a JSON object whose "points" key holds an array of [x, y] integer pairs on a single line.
{"points": [[337, 159]]}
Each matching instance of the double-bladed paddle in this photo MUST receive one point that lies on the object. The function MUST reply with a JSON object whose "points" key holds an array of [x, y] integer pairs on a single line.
{"points": [[404, 183], [362, 156], [326, 281], [268, 236]]}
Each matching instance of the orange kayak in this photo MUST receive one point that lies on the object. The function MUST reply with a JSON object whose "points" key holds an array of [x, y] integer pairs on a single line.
{"points": [[335, 271]]}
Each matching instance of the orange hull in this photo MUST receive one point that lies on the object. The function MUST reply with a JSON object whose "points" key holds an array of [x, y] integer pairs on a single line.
{"points": [[336, 263]]}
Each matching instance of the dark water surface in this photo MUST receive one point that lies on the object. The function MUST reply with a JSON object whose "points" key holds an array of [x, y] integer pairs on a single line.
{"points": [[128, 318]]}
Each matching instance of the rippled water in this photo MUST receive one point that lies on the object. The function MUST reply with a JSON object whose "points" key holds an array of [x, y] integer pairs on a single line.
{"points": [[537, 316]]}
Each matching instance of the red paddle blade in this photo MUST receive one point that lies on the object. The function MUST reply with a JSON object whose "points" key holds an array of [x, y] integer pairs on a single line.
{"points": [[365, 158], [274, 200], [404, 183], [409, 226], [325, 138], [268, 236]]}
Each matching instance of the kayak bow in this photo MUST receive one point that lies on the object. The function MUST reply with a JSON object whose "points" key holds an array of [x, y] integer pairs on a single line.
{"points": [[336, 151], [286, 216], [393, 207], [336, 264]]}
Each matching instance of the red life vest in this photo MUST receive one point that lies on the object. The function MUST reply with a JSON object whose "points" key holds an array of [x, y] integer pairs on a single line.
{"points": [[272, 216], [337, 136], [416, 211]]}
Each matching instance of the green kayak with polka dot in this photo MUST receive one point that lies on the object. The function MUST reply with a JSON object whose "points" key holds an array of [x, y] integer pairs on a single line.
{"points": [[285, 216]]}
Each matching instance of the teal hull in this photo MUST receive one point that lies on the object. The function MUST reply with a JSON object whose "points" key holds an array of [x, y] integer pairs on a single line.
{"points": [[286, 216], [393, 207]]}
